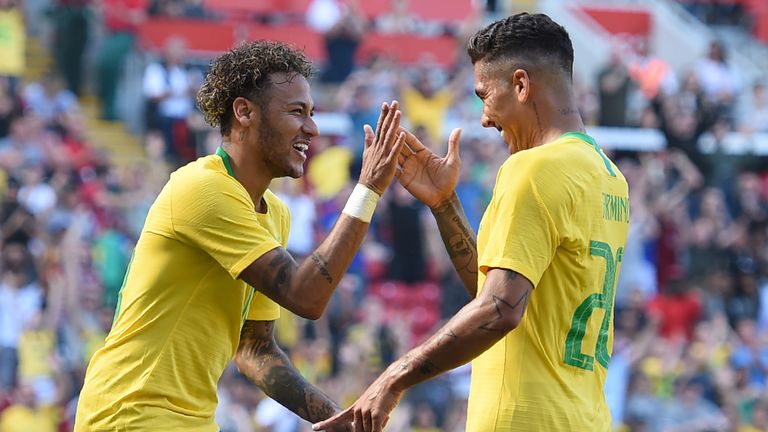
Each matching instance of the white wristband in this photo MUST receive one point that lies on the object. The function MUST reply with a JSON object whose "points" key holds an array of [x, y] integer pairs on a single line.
{"points": [[361, 203]]}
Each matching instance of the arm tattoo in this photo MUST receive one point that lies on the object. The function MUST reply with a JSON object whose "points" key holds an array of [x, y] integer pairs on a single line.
{"points": [[285, 385], [271, 370], [322, 266], [424, 366], [278, 277], [459, 241], [500, 304], [447, 335]]}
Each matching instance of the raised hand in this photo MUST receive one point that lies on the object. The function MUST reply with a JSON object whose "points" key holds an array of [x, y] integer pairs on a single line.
{"points": [[382, 149], [428, 177]]}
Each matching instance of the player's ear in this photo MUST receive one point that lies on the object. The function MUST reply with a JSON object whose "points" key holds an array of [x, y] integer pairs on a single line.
{"points": [[243, 111], [521, 83]]}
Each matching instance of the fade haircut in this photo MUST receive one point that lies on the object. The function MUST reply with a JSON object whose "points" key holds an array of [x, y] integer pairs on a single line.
{"points": [[244, 72], [532, 39]]}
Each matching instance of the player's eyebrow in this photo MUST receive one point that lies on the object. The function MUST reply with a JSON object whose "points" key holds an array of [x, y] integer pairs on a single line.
{"points": [[304, 106]]}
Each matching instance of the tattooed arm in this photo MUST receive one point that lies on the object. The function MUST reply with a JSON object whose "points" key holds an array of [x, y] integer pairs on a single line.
{"points": [[496, 311], [260, 358], [460, 241], [306, 289]]}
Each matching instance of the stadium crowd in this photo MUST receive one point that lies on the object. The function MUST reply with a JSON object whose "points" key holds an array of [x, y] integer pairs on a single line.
{"points": [[691, 317]]}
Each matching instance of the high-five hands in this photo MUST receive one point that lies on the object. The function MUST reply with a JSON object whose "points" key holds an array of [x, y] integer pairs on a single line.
{"points": [[382, 149]]}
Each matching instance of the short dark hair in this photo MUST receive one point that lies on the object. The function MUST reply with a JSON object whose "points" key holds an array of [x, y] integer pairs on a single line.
{"points": [[531, 38], [244, 72]]}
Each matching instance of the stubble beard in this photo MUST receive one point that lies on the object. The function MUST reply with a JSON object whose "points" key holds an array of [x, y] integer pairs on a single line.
{"points": [[278, 160]]}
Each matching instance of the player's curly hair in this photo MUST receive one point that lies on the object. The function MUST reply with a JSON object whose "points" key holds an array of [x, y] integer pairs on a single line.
{"points": [[530, 38], [244, 71]]}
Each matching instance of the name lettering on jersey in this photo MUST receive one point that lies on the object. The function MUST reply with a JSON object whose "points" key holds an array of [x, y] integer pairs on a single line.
{"points": [[615, 208]]}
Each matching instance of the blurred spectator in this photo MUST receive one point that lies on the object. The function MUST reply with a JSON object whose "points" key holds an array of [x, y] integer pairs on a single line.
{"points": [[689, 411], [398, 20], [677, 308], [13, 42], [613, 84], [71, 22], [170, 88], [342, 23], [426, 102], [719, 80], [755, 115], [121, 19], [21, 299], [652, 75], [27, 414], [50, 100], [404, 213], [301, 241]]}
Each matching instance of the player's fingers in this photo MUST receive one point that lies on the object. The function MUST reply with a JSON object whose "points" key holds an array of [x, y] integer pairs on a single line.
{"points": [[369, 136], [342, 417], [359, 422], [454, 142], [380, 121], [413, 143], [391, 135], [381, 134], [368, 419], [398, 171], [395, 151], [377, 422]]}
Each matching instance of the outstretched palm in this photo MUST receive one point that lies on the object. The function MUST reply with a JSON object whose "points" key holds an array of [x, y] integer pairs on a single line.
{"points": [[428, 177]]}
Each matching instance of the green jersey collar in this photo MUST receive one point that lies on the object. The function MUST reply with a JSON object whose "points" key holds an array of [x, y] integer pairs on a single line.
{"points": [[227, 161]]}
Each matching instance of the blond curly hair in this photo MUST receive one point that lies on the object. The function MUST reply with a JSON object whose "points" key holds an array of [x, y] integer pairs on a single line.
{"points": [[244, 71]]}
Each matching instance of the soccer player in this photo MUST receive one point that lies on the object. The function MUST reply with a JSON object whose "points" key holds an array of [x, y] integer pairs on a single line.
{"points": [[543, 271], [210, 266]]}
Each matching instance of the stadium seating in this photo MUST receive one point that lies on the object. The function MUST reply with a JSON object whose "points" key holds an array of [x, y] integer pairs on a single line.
{"points": [[206, 38]]}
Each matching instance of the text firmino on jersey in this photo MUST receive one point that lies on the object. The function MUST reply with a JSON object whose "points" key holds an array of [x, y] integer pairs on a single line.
{"points": [[615, 208]]}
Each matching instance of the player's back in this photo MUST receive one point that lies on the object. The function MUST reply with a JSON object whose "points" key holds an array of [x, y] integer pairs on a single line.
{"points": [[566, 208]]}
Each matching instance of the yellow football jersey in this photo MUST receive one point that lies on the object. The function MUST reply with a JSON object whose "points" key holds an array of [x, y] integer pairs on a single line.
{"points": [[559, 216], [181, 308]]}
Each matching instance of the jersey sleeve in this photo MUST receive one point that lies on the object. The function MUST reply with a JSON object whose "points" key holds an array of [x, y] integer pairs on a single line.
{"points": [[262, 308], [523, 235], [212, 213]]}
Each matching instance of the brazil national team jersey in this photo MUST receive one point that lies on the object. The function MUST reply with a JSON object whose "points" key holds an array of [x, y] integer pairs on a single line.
{"points": [[182, 306], [559, 216]]}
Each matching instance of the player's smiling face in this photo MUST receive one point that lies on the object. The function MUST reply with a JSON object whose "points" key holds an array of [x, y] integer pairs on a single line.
{"points": [[502, 110], [286, 127]]}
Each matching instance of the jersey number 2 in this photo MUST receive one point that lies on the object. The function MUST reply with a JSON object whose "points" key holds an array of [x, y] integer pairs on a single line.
{"points": [[602, 300]]}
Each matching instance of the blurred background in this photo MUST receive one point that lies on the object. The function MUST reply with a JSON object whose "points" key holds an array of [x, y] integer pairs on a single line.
{"points": [[97, 108]]}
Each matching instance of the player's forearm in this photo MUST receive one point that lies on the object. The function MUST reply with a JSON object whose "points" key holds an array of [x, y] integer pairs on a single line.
{"points": [[474, 329], [317, 277], [264, 363], [460, 241]]}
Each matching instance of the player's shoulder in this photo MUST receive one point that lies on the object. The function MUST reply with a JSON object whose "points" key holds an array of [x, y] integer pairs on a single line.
{"points": [[204, 173], [274, 201]]}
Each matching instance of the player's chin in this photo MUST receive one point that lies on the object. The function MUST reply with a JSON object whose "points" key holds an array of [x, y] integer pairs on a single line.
{"points": [[295, 171]]}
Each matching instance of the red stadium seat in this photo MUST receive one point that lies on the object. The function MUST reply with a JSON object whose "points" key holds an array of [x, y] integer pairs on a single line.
{"points": [[299, 36], [409, 49], [243, 9], [440, 10], [201, 37], [431, 10], [621, 20]]}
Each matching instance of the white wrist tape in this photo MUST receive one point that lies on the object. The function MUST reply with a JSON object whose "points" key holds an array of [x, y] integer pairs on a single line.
{"points": [[361, 203]]}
